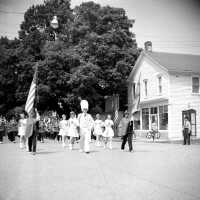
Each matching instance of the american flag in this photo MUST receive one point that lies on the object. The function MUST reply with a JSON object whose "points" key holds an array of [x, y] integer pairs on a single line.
{"points": [[32, 93]]}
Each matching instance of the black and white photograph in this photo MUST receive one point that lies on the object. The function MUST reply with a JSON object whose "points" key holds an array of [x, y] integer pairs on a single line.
{"points": [[99, 99]]}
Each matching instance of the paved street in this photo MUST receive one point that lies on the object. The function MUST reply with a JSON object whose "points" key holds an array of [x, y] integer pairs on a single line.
{"points": [[152, 172]]}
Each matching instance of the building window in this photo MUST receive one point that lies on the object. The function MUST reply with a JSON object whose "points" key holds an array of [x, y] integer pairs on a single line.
{"points": [[163, 117], [145, 119], [195, 84], [145, 88], [154, 110], [160, 85]]}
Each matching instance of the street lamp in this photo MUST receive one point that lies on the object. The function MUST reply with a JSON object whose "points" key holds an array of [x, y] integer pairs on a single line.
{"points": [[54, 25]]}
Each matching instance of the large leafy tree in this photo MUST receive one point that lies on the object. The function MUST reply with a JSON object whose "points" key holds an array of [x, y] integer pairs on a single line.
{"points": [[91, 58]]}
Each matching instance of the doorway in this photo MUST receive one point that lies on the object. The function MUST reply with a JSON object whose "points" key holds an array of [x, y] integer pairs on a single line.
{"points": [[191, 114]]}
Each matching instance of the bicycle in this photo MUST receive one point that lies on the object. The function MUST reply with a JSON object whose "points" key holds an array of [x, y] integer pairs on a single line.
{"points": [[153, 134]]}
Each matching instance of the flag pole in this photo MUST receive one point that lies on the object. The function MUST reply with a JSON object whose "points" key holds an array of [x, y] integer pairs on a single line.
{"points": [[36, 92]]}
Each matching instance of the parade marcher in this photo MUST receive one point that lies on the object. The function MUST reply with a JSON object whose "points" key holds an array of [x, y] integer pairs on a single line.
{"points": [[47, 126], [55, 128], [128, 135], [86, 123], [42, 130], [73, 129], [12, 128], [21, 130], [2, 129], [64, 126], [32, 129], [108, 133], [123, 124], [186, 131], [98, 123]]}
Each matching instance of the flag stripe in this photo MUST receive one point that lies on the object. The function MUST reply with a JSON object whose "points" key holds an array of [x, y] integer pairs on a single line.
{"points": [[31, 95]]}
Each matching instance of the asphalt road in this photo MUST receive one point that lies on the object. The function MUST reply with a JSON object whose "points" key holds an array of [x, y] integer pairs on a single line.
{"points": [[154, 171]]}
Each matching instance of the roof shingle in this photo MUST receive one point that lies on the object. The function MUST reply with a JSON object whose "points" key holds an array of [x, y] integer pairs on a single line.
{"points": [[177, 62]]}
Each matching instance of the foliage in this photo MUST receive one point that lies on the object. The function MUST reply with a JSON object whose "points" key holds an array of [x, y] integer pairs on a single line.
{"points": [[91, 58]]}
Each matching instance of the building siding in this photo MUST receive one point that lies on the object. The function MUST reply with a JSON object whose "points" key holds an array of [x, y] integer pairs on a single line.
{"points": [[181, 98]]}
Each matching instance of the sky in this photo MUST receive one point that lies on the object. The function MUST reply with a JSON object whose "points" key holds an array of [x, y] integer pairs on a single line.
{"points": [[172, 25]]}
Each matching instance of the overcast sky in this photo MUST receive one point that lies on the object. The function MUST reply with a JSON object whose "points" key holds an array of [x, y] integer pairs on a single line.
{"points": [[172, 25]]}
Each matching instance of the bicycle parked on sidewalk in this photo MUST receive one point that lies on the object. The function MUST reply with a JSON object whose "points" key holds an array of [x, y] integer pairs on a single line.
{"points": [[153, 134]]}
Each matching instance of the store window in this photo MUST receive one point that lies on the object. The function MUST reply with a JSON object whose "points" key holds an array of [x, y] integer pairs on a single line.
{"points": [[145, 119], [163, 117]]}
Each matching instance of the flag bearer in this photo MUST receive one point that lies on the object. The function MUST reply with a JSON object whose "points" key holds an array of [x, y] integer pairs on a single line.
{"points": [[86, 123], [32, 129]]}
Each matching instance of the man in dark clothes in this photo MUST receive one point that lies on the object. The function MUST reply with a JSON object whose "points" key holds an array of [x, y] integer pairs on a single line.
{"points": [[128, 135], [32, 132]]}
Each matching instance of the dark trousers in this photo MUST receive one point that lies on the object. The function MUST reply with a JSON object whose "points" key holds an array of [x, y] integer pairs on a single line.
{"points": [[128, 137], [186, 136], [32, 142], [11, 136]]}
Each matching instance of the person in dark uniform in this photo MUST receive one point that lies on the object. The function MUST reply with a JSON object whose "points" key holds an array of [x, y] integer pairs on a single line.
{"points": [[186, 131], [128, 135]]}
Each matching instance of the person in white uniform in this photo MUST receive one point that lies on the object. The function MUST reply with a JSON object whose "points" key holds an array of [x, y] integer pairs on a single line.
{"points": [[64, 126], [73, 129], [86, 123], [98, 129], [108, 133], [22, 129]]}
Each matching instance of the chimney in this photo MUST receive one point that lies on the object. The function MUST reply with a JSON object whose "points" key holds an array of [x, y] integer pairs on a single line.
{"points": [[148, 46]]}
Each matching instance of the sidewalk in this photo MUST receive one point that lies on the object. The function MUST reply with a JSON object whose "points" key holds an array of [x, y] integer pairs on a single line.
{"points": [[161, 140]]}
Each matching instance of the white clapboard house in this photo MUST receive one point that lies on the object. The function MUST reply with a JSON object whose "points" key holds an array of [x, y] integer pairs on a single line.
{"points": [[165, 87]]}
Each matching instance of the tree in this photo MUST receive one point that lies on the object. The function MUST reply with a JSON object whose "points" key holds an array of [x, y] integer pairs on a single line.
{"points": [[92, 57]]}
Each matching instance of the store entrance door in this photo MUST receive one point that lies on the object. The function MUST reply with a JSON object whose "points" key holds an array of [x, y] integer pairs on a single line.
{"points": [[191, 114]]}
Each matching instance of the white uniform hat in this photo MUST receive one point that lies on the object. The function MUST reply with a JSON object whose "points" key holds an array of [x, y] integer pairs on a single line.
{"points": [[84, 104]]}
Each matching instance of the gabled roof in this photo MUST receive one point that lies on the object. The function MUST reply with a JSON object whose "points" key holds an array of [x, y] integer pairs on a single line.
{"points": [[170, 62], [176, 62]]}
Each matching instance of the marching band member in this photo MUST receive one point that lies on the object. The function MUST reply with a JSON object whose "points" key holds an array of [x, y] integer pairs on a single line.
{"points": [[98, 129], [21, 130], [73, 129], [85, 127], [64, 126], [108, 133]]}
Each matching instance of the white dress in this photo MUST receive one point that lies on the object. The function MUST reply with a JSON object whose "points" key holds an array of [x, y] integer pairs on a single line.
{"points": [[64, 127], [73, 124], [108, 128], [98, 125], [22, 127]]}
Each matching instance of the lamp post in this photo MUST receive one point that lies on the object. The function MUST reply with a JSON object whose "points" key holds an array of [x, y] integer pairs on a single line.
{"points": [[54, 25]]}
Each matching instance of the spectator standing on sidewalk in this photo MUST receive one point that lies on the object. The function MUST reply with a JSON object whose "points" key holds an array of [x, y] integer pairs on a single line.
{"points": [[186, 131], [128, 135]]}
